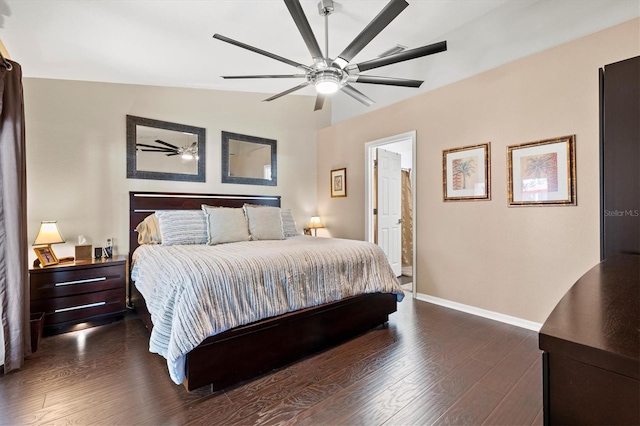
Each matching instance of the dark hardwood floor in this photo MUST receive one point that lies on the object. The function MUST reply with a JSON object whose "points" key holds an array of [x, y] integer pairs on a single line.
{"points": [[429, 365]]}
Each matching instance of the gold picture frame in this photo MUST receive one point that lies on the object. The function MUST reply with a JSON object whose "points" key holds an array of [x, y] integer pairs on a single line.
{"points": [[339, 183], [466, 173], [542, 173], [46, 256]]}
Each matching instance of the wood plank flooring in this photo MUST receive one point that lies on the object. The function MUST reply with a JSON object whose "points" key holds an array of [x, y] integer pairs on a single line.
{"points": [[428, 365]]}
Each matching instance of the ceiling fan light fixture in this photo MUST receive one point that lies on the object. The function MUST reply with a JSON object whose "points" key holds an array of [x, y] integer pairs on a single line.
{"points": [[328, 81], [327, 84]]}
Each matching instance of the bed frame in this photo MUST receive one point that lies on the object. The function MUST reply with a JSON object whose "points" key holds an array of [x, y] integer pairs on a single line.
{"points": [[248, 351]]}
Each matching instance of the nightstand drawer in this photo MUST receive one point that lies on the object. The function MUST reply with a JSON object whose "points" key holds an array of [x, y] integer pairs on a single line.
{"points": [[76, 281], [72, 308]]}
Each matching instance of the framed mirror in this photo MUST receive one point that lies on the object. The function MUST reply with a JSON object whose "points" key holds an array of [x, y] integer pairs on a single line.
{"points": [[249, 160], [165, 151]]}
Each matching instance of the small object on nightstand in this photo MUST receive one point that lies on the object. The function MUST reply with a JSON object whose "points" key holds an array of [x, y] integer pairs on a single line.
{"points": [[97, 253], [315, 223], [83, 252], [108, 250]]}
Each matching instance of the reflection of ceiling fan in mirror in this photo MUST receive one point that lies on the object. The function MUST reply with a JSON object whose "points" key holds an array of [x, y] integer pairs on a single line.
{"points": [[332, 75], [188, 152]]}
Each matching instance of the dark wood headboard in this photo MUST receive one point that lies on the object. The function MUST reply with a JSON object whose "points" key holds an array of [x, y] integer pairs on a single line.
{"points": [[142, 204]]}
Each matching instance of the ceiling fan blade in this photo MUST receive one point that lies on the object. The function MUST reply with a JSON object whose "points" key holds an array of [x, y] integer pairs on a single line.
{"points": [[286, 92], [157, 150], [319, 102], [388, 14], [305, 29], [260, 51], [170, 145], [357, 95], [171, 155], [399, 57], [389, 81], [264, 76], [154, 147]]}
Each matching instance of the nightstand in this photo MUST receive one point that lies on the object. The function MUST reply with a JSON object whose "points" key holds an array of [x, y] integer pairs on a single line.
{"points": [[80, 294]]}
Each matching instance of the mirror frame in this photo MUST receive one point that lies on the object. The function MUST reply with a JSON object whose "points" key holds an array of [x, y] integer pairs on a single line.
{"points": [[226, 136], [134, 173]]}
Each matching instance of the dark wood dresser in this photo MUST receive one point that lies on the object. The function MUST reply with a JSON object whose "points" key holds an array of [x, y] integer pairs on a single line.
{"points": [[591, 344], [78, 295]]}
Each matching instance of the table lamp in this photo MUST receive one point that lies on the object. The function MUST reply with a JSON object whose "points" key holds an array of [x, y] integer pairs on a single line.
{"points": [[315, 223], [47, 235]]}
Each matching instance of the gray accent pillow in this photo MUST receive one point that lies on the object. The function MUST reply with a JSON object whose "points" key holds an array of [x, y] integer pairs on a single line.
{"points": [[265, 222], [179, 227], [226, 225], [288, 224]]}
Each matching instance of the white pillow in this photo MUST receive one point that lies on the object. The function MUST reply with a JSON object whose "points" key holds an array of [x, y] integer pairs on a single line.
{"points": [[226, 225], [179, 227], [288, 224], [265, 222]]}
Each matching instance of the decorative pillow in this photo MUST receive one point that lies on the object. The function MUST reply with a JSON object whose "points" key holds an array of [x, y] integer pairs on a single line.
{"points": [[182, 227], [265, 222], [288, 224], [149, 230], [225, 225]]}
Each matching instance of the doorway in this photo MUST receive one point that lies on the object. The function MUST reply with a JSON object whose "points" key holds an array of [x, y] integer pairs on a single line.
{"points": [[405, 145]]}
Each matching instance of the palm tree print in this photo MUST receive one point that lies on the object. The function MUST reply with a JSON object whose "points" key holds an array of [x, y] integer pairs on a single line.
{"points": [[538, 168], [463, 170]]}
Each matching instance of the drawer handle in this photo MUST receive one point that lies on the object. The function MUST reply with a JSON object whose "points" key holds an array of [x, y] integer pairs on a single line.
{"points": [[88, 280], [73, 308]]}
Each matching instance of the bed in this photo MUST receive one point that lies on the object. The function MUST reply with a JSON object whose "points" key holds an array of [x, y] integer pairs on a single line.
{"points": [[230, 356]]}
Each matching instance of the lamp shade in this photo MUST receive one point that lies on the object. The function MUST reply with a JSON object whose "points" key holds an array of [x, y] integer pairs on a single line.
{"points": [[315, 223], [48, 234]]}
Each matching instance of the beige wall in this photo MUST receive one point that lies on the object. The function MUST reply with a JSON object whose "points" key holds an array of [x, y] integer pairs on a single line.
{"points": [[76, 150], [514, 261]]}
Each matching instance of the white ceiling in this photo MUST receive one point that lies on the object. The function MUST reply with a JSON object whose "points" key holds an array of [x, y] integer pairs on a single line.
{"points": [[169, 42]]}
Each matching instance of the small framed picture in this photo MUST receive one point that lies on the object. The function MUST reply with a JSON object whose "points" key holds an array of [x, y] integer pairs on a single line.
{"points": [[466, 173], [339, 183], [542, 173], [46, 256], [307, 231]]}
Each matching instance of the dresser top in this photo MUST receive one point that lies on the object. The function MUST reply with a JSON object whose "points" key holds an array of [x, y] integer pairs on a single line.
{"points": [[79, 264], [598, 319]]}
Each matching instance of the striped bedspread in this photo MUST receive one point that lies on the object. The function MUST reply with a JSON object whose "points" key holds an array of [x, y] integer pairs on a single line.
{"points": [[195, 291]]}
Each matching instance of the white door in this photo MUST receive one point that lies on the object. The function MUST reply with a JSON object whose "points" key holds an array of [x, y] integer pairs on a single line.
{"points": [[390, 207]]}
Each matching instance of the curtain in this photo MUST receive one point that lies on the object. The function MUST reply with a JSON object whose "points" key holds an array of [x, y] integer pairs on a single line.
{"points": [[407, 219], [14, 289]]}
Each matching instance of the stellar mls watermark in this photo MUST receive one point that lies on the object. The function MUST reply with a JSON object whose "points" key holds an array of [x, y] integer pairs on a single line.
{"points": [[622, 213]]}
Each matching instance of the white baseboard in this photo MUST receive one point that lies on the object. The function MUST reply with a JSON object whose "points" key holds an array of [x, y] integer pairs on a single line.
{"points": [[518, 322]]}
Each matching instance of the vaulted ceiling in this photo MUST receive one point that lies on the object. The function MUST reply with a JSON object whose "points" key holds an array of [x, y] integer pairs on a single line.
{"points": [[169, 42]]}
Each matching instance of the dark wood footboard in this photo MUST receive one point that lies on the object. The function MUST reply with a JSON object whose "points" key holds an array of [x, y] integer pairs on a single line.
{"points": [[248, 351]]}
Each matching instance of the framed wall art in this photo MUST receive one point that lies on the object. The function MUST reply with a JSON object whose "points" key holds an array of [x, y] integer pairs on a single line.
{"points": [[466, 173], [542, 173], [339, 183]]}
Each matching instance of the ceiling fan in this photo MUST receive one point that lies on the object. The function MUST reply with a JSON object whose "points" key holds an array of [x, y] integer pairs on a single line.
{"points": [[332, 75], [188, 152]]}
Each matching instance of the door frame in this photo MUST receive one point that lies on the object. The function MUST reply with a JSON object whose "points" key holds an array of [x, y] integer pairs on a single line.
{"points": [[369, 154]]}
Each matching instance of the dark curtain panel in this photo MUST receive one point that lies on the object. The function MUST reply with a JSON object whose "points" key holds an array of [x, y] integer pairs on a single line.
{"points": [[14, 290]]}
